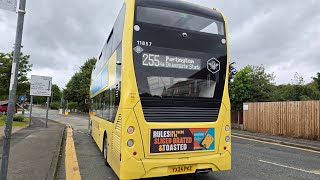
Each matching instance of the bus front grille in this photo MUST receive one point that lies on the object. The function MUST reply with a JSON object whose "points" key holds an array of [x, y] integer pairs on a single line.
{"points": [[180, 114]]}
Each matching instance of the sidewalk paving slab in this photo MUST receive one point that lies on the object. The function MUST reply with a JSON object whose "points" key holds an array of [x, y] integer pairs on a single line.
{"points": [[290, 141], [34, 151], [14, 130]]}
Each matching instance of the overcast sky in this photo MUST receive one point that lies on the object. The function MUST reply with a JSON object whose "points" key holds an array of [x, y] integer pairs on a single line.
{"points": [[60, 35]]}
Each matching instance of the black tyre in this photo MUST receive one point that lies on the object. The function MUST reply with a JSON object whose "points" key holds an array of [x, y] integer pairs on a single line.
{"points": [[105, 150], [90, 129]]}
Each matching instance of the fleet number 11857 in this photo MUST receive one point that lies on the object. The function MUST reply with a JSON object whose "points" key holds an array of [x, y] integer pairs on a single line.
{"points": [[144, 43]]}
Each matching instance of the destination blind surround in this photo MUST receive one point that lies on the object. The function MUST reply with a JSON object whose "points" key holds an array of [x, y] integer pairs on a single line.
{"points": [[166, 61]]}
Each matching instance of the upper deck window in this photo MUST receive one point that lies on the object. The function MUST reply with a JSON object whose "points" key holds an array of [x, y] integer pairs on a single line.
{"points": [[180, 20]]}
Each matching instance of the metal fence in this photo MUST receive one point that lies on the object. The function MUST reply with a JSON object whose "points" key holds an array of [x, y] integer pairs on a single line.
{"points": [[295, 119]]}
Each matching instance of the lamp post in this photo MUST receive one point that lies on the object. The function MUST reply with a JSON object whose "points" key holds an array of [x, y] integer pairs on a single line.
{"points": [[12, 91]]}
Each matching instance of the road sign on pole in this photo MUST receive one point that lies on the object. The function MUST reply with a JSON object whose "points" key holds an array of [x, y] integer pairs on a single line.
{"points": [[21, 98], [12, 87], [40, 86], [10, 5], [30, 110], [48, 100]]}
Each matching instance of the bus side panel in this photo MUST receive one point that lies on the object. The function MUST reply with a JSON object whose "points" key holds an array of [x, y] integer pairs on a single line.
{"points": [[129, 88], [99, 127], [114, 140], [96, 131]]}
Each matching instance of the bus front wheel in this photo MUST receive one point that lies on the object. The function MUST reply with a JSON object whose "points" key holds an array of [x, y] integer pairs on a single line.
{"points": [[90, 129], [105, 150]]}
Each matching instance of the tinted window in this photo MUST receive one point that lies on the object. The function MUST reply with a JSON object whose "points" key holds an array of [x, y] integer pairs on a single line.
{"points": [[179, 20], [118, 29], [180, 87], [113, 41], [106, 103]]}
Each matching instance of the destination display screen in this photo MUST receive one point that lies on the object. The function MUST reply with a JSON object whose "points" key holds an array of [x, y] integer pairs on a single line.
{"points": [[166, 61]]}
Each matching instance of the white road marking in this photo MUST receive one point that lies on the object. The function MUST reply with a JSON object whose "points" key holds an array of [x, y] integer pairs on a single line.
{"points": [[316, 171], [311, 172]]}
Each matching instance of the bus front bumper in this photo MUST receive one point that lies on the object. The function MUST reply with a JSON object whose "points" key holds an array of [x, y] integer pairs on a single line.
{"points": [[146, 168]]}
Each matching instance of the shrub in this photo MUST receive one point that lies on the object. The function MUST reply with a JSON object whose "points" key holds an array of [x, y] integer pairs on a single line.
{"points": [[73, 105], [55, 105], [18, 117]]}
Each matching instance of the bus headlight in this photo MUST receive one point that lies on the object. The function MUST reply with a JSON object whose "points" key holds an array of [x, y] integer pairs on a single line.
{"points": [[227, 139], [227, 128], [130, 143]]}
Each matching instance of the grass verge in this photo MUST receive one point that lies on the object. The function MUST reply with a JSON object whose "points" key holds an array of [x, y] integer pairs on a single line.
{"points": [[23, 123]]}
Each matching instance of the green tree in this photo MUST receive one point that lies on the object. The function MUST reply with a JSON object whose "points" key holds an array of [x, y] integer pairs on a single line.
{"points": [[56, 93], [5, 74], [251, 84], [39, 100], [297, 90], [72, 90], [317, 80], [77, 89]]}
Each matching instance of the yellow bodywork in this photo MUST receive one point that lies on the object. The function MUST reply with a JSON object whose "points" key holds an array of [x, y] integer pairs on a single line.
{"points": [[143, 164]]}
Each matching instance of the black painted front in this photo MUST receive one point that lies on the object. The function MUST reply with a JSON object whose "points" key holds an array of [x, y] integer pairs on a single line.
{"points": [[169, 41]]}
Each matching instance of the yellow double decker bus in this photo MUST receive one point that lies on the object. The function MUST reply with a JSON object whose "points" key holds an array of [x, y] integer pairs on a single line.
{"points": [[160, 91]]}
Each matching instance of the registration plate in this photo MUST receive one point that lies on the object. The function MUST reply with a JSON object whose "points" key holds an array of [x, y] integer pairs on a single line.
{"points": [[181, 169]]}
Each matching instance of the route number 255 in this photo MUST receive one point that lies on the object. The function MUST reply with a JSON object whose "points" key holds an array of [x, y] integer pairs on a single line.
{"points": [[150, 60]]}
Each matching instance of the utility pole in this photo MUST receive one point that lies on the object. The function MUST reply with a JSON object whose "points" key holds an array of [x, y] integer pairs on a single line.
{"points": [[51, 97], [48, 101], [12, 91]]}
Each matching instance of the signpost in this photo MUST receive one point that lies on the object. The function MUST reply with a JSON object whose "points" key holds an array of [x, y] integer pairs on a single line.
{"points": [[40, 86], [10, 5], [22, 100]]}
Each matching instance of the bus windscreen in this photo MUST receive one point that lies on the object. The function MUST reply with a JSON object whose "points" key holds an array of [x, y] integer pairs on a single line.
{"points": [[179, 20]]}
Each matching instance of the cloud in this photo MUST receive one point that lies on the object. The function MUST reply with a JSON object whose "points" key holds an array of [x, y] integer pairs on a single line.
{"points": [[280, 35], [60, 35]]}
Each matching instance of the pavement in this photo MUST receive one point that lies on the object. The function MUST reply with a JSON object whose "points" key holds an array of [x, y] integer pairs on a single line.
{"points": [[295, 142], [34, 151], [14, 129]]}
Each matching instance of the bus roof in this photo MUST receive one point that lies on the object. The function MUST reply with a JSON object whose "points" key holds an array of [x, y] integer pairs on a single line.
{"points": [[184, 6]]}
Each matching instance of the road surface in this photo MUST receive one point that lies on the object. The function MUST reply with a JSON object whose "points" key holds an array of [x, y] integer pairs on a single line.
{"points": [[251, 159]]}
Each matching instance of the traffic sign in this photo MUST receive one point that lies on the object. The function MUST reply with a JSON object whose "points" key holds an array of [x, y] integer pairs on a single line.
{"points": [[10, 5], [21, 98], [40, 86]]}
